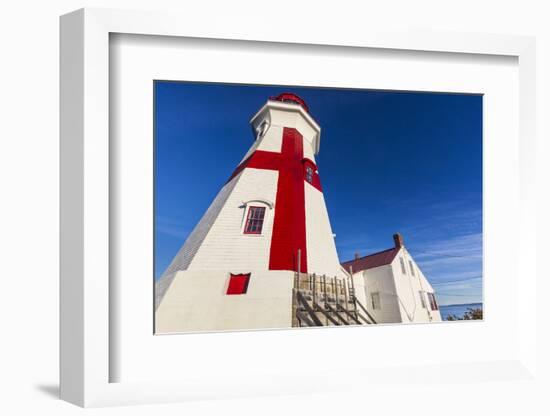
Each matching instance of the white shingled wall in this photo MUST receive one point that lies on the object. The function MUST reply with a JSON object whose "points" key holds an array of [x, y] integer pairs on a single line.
{"points": [[308, 150], [360, 289], [409, 302], [225, 247], [399, 292], [189, 249], [408, 287], [272, 140], [380, 280], [322, 257], [197, 301], [182, 260], [289, 115]]}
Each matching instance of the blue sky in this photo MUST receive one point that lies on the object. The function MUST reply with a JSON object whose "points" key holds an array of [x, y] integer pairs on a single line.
{"points": [[389, 161]]}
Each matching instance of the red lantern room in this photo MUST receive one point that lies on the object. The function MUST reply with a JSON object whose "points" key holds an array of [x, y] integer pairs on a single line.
{"points": [[288, 97]]}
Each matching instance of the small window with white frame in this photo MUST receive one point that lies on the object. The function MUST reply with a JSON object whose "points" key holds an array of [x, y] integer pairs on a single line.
{"points": [[422, 299], [433, 302], [309, 174], [375, 301], [403, 269], [412, 267], [254, 220], [261, 129], [255, 216]]}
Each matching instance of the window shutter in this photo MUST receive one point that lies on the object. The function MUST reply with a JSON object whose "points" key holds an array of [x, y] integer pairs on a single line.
{"points": [[238, 284]]}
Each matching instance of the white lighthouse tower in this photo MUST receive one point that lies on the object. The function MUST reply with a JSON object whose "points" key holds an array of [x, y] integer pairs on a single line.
{"points": [[237, 268]]}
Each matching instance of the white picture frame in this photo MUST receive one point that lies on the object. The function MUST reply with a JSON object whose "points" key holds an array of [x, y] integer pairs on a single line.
{"points": [[85, 220]]}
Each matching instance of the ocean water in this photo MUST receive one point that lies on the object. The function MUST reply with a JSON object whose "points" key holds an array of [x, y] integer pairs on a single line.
{"points": [[457, 310]]}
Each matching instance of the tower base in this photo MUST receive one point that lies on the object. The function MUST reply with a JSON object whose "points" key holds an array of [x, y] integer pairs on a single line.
{"points": [[198, 301]]}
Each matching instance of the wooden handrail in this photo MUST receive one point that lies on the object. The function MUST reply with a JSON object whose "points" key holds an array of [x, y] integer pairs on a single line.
{"points": [[365, 310], [315, 308], [326, 315], [335, 312], [351, 316], [303, 317], [308, 309], [364, 319]]}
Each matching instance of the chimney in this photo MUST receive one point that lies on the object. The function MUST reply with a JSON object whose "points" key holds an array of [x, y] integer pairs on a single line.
{"points": [[356, 255], [398, 240]]}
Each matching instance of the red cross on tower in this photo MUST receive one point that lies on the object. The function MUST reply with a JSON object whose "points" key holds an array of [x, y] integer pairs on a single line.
{"points": [[289, 225]]}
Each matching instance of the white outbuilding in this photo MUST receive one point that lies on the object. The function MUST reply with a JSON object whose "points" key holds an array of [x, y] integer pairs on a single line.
{"points": [[396, 290]]}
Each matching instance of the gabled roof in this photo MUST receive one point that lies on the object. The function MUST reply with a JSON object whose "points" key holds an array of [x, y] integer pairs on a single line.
{"points": [[372, 260]]}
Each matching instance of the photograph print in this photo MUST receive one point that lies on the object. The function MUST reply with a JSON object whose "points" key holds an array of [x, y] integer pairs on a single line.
{"points": [[285, 207]]}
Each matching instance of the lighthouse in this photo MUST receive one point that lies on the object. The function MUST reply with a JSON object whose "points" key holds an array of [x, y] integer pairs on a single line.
{"points": [[268, 224]]}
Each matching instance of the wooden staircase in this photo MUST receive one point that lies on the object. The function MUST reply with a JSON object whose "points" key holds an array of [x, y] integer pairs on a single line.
{"points": [[326, 301]]}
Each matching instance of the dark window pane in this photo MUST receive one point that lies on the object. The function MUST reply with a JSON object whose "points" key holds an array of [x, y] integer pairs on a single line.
{"points": [[254, 220]]}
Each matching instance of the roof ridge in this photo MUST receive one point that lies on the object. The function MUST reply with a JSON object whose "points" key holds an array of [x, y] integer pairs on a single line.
{"points": [[373, 254]]}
